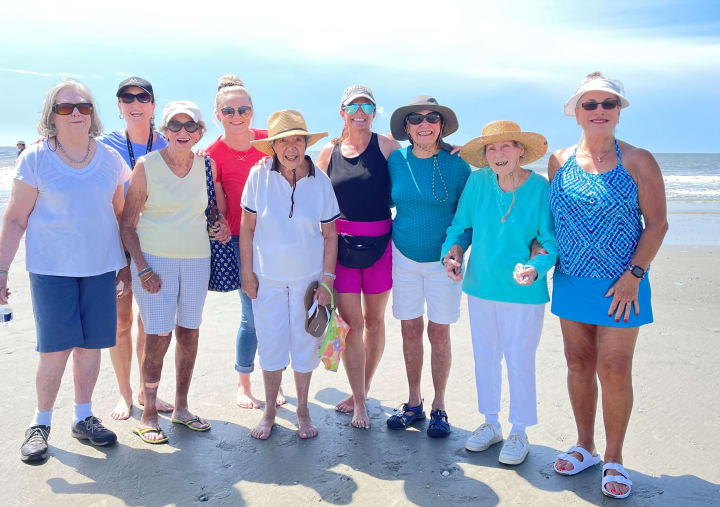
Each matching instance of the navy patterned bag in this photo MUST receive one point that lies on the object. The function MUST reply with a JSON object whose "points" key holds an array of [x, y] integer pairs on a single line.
{"points": [[224, 275]]}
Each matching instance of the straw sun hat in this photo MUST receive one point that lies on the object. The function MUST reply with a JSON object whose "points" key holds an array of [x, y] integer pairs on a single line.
{"points": [[286, 123], [474, 154]]}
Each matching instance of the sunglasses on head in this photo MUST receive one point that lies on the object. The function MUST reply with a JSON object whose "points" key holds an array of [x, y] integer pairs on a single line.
{"points": [[608, 104], [66, 108], [230, 111], [189, 126], [417, 118], [142, 97], [353, 108]]}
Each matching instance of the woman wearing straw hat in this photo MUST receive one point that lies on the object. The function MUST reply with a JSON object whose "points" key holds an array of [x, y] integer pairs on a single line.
{"points": [[287, 241], [426, 185], [506, 207], [608, 202]]}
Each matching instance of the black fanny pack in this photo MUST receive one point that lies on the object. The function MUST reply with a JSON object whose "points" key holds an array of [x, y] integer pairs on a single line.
{"points": [[360, 252]]}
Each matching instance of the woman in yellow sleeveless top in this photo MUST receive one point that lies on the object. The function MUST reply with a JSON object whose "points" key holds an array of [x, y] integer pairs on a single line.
{"points": [[164, 228]]}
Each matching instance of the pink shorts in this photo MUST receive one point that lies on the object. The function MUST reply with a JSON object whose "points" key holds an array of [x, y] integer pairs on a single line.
{"points": [[373, 280]]}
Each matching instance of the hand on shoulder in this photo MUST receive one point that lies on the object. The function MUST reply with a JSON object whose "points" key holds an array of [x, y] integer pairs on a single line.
{"points": [[388, 144]]}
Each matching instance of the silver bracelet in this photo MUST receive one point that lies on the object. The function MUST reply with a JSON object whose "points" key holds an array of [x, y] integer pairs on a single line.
{"points": [[329, 275]]}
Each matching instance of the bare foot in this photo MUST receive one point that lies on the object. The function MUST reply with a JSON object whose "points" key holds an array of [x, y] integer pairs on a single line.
{"points": [[280, 400], [155, 433], [185, 415], [360, 417], [346, 406], [160, 405], [306, 429], [615, 487], [246, 399], [263, 429], [122, 410]]}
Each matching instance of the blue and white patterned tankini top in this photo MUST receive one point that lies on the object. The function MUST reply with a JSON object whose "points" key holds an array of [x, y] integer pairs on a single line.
{"points": [[598, 223]]}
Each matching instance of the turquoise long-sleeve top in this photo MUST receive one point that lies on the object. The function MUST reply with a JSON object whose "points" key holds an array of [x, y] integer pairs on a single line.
{"points": [[496, 246], [425, 198]]}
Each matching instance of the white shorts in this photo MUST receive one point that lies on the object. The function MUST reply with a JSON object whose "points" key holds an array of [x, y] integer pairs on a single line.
{"points": [[181, 297], [279, 312], [414, 283]]}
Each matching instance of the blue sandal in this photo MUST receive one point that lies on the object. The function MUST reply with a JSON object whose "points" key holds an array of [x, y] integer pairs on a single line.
{"points": [[439, 426], [405, 416]]}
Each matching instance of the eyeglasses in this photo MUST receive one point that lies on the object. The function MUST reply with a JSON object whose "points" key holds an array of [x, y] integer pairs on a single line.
{"points": [[417, 118], [353, 108], [128, 98], [66, 108], [230, 111], [608, 104], [189, 126]]}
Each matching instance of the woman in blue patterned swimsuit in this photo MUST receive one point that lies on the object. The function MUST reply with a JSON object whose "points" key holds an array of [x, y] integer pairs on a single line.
{"points": [[602, 191]]}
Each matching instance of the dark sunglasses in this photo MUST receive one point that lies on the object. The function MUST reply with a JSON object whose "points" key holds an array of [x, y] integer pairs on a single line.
{"points": [[353, 108], [189, 126], [128, 98], [230, 111], [417, 118], [66, 108], [608, 104]]}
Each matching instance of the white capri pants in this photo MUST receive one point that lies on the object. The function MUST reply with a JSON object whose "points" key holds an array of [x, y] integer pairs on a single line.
{"points": [[279, 312], [415, 283], [512, 330]]}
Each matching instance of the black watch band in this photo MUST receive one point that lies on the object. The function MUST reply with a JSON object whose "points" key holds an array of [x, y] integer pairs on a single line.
{"points": [[636, 271]]}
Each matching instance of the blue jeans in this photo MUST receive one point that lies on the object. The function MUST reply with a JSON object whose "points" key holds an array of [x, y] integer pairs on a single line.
{"points": [[246, 342]]}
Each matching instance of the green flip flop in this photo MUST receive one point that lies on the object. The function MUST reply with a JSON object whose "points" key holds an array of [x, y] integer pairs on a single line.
{"points": [[188, 423], [140, 432]]}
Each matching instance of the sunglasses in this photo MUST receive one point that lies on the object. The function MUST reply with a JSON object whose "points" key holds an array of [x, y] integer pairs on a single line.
{"points": [[66, 108], [353, 108], [128, 98], [417, 118], [177, 126], [230, 111], [608, 104]]}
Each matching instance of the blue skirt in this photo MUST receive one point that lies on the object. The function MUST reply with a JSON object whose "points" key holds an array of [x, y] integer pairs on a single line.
{"points": [[583, 300]]}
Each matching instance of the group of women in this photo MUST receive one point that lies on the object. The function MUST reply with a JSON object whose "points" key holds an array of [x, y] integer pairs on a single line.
{"points": [[326, 229]]}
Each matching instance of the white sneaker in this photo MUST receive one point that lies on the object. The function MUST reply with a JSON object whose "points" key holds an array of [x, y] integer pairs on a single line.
{"points": [[514, 450], [485, 436]]}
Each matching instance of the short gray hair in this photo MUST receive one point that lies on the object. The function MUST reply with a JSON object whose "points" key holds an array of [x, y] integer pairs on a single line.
{"points": [[46, 126]]}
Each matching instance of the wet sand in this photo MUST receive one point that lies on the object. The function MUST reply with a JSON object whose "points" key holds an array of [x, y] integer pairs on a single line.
{"points": [[670, 450]]}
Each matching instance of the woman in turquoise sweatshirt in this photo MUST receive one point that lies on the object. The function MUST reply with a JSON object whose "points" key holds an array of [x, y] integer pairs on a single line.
{"points": [[507, 208]]}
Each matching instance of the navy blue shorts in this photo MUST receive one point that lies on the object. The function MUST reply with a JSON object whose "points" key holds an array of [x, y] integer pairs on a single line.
{"points": [[74, 311]]}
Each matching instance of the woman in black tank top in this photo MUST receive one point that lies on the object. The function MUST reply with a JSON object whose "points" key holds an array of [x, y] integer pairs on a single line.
{"points": [[357, 166]]}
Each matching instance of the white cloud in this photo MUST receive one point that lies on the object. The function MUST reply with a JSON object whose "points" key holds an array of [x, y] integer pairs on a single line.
{"points": [[40, 74]]}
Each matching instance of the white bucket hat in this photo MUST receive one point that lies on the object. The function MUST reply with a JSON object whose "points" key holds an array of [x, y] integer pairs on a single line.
{"points": [[596, 83]]}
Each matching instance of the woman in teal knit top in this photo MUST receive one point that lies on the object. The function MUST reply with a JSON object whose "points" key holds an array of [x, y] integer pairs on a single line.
{"points": [[427, 182], [507, 208]]}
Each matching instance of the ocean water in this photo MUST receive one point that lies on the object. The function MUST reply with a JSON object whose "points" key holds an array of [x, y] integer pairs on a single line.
{"points": [[692, 187]]}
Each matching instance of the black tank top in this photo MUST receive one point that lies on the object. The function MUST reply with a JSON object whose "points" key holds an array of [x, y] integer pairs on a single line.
{"points": [[362, 183]]}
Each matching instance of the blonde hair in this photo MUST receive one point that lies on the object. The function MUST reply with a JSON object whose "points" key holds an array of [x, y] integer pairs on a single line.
{"points": [[227, 84], [46, 126]]}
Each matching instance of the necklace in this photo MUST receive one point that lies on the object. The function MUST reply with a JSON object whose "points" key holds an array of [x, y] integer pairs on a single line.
{"points": [[436, 167], [243, 156], [499, 196], [599, 156], [77, 162]]}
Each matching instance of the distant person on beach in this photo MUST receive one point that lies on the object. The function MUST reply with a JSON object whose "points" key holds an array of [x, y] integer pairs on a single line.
{"points": [[507, 208], [602, 191], [20, 146], [165, 230], [287, 242], [427, 182], [357, 166], [68, 194], [136, 102], [234, 156]]}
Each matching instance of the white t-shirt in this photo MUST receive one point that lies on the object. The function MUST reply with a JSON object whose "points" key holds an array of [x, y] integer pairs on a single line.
{"points": [[284, 248], [72, 231]]}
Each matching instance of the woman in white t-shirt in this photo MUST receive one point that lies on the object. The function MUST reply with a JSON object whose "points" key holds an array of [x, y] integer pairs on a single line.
{"points": [[287, 241], [68, 194]]}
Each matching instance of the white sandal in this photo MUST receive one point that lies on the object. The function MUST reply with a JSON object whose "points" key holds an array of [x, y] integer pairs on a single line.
{"points": [[620, 479], [578, 466]]}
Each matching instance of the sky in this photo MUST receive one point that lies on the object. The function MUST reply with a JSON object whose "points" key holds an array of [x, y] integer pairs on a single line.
{"points": [[510, 60]]}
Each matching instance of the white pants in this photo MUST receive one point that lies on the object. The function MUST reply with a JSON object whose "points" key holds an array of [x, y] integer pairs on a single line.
{"points": [[512, 330]]}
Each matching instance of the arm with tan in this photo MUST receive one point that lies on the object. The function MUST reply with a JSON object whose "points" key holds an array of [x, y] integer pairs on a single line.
{"points": [[15, 220]]}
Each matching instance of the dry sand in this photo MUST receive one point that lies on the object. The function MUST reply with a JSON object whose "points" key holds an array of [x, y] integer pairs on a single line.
{"points": [[670, 451]]}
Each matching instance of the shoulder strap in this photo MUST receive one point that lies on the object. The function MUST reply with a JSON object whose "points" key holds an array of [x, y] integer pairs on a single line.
{"points": [[211, 212]]}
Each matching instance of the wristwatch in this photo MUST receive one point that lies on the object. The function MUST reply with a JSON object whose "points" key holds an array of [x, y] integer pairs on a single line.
{"points": [[636, 271]]}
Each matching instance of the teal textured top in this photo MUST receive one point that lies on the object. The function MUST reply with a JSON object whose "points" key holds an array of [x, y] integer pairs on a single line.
{"points": [[425, 199], [497, 246]]}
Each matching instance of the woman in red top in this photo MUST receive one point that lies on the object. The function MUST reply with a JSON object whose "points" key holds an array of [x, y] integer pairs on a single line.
{"points": [[234, 157]]}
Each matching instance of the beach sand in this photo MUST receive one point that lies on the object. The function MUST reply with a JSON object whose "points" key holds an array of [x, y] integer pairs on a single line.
{"points": [[670, 450]]}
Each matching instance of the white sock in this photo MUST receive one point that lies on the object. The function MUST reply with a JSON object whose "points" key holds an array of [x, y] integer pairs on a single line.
{"points": [[519, 430], [493, 419], [42, 418], [82, 411]]}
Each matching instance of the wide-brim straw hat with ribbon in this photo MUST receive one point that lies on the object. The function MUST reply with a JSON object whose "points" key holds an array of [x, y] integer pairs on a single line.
{"points": [[286, 123], [473, 151], [422, 103]]}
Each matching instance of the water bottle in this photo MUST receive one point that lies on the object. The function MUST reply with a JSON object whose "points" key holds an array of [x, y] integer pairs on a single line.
{"points": [[6, 316]]}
